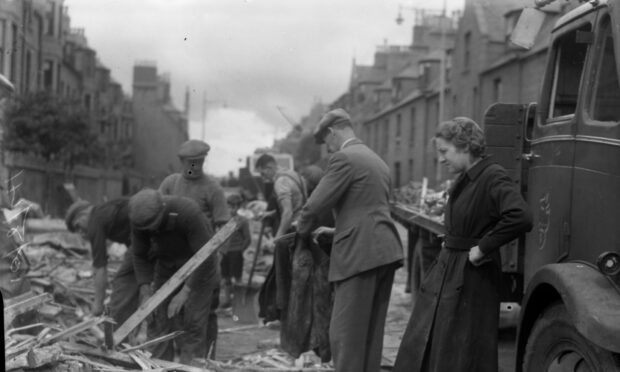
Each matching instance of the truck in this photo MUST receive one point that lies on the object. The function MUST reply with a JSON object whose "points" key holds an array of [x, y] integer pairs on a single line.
{"points": [[564, 153]]}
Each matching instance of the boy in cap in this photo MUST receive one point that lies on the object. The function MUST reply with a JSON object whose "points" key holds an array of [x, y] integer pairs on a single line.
{"points": [[232, 258], [366, 248], [166, 232], [107, 221], [206, 191]]}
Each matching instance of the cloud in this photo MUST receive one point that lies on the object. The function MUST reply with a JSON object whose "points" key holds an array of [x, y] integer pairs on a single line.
{"points": [[248, 55], [232, 134]]}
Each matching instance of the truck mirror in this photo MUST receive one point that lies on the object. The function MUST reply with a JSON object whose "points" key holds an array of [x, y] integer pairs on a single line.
{"points": [[527, 28]]}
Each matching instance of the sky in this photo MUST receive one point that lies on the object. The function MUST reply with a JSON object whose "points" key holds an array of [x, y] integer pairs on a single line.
{"points": [[260, 63]]}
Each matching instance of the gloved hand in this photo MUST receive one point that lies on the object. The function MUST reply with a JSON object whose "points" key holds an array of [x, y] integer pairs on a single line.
{"points": [[97, 309], [146, 291], [178, 301]]}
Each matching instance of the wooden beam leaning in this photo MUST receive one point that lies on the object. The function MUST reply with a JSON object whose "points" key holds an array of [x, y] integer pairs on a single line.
{"points": [[23, 303], [177, 279]]}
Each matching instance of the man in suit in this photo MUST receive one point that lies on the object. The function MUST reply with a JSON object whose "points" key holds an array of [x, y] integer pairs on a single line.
{"points": [[366, 249]]}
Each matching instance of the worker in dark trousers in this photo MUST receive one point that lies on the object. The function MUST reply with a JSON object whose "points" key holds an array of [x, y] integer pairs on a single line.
{"points": [[98, 223], [205, 190], [166, 232], [366, 248]]}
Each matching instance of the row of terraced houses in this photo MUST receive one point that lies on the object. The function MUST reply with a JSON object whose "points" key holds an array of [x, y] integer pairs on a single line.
{"points": [[40, 51], [396, 102]]}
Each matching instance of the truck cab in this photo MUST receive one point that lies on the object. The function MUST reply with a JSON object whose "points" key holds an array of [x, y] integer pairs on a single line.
{"points": [[568, 163]]}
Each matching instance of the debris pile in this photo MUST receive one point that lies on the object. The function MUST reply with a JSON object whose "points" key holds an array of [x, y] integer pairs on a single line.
{"points": [[428, 201], [271, 360], [49, 327]]}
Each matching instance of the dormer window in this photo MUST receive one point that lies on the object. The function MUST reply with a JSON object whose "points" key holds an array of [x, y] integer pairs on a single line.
{"points": [[510, 22]]}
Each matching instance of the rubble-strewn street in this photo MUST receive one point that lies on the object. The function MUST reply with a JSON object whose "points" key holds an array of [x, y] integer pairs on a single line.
{"points": [[61, 335], [310, 185]]}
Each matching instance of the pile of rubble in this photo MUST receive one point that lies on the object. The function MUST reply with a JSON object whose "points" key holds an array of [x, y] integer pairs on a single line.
{"points": [[428, 201], [49, 327]]}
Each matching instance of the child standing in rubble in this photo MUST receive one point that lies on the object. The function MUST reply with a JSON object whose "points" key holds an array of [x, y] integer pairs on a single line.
{"points": [[232, 259]]}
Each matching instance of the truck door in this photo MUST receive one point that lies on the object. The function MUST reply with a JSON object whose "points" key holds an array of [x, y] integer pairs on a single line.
{"points": [[552, 147], [596, 185]]}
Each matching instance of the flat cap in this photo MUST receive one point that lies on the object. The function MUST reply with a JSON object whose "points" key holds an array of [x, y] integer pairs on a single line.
{"points": [[235, 199], [331, 118], [146, 209], [193, 149], [73, 212]]}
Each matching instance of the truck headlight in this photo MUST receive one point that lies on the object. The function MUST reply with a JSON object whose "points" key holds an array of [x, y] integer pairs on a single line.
{"points": [[609, 263]]}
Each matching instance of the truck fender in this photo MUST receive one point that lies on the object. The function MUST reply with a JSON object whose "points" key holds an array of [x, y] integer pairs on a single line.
{"points": [[590, 299]]}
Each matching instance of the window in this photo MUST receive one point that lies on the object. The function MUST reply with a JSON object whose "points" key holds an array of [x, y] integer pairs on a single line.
{"points": [[87, 103], [28, 71], [412, 128], [2, 44], [48, 74], [411, 169], [397, 174], [398, 130], [14, 53], [386, 135], [51, 18], [604, 105], [497, 89], [569, 61], [466, 50]]}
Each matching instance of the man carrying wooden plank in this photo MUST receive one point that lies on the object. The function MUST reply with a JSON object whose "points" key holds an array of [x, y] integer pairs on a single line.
{"points": [[107, 221], [166, 232]]}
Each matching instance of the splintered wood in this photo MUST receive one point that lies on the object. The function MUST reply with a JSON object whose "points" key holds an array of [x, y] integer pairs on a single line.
{"points": [[271, 360], [49, 326]]}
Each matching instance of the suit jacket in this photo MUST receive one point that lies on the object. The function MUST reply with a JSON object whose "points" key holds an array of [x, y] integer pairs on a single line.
{"points": [[356, 186]]}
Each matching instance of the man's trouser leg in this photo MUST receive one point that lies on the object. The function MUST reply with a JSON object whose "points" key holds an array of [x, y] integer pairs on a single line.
{"points": [[195, 315], [125, 297], [358, 320], [159, 326], [212, 326]]}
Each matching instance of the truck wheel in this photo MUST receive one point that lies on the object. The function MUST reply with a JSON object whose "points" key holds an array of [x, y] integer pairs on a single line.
{"points": [[555, 345]]}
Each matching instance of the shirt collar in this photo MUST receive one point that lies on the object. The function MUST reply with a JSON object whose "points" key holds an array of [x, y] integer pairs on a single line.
{"points": [[345, 143]]}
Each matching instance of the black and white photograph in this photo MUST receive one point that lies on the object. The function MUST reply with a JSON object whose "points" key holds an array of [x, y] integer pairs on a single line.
{"points": [[310, 185]]}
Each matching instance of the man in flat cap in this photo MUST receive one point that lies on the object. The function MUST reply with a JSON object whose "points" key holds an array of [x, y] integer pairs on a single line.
{"points": [[98, 223], [366, 249], [205, 190], [166, 232]]}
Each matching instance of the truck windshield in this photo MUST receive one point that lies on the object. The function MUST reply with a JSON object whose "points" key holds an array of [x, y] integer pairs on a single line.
{"points": [[605, 105]]}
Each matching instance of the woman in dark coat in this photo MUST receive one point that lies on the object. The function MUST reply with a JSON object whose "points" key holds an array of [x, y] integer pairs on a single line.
{"points": [[454, 324]]}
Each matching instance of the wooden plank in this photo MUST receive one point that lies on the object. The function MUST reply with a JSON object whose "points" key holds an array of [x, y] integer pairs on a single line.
{"points": [[125, 360], [176, 280], [80, 327], [113, 357], [155, 341]]}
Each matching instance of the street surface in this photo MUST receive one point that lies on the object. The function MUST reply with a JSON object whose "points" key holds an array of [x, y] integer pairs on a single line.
{"points": [[235, 344]]}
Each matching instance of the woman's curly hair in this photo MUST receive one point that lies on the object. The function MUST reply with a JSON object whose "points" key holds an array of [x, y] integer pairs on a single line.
{"points": [[463, 133]]}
